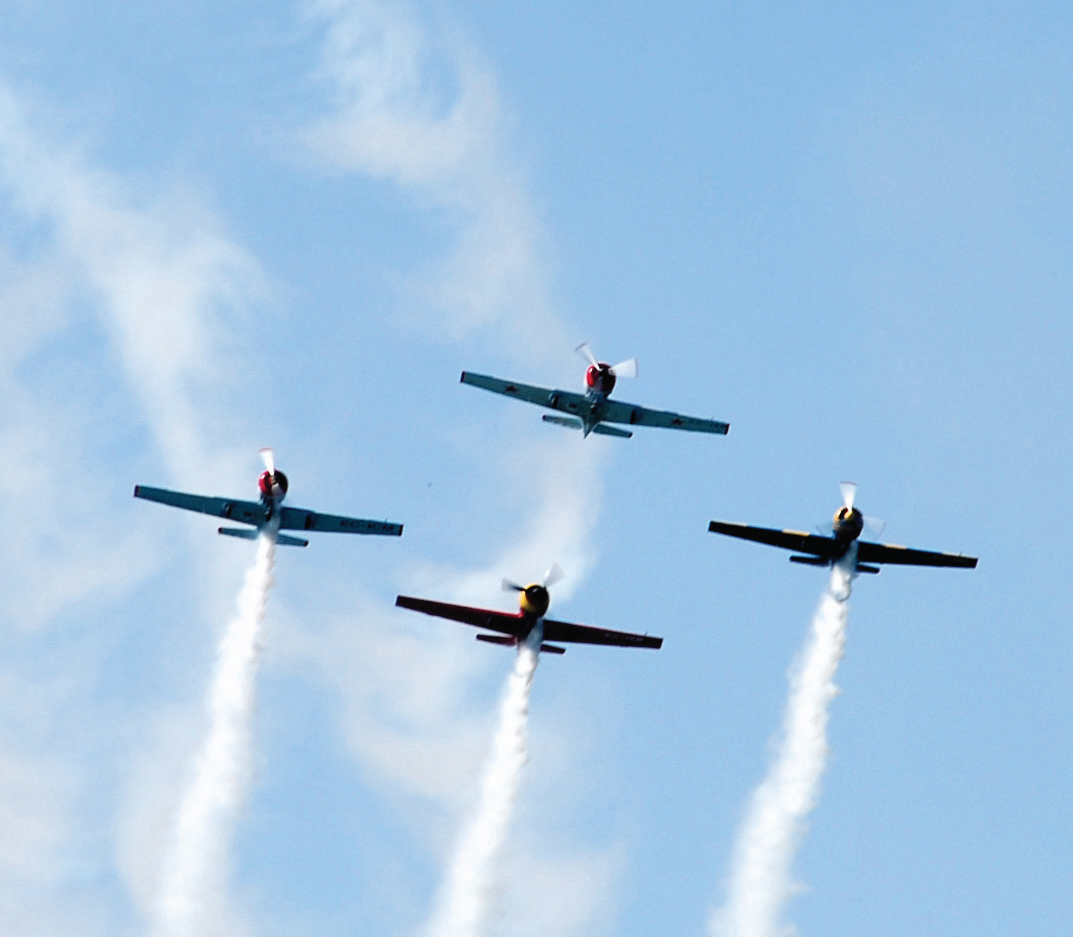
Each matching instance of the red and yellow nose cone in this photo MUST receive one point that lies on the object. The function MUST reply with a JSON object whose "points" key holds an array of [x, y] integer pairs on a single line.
{"points": [[534, 600]]}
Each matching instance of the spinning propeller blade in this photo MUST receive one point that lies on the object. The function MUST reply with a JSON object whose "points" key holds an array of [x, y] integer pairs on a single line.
{"points": [[553, 575], [849, 493], [586, 352], [627, 368], [268, 456]]}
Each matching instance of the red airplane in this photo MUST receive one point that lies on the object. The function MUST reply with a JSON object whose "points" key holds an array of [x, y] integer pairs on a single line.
{"points": [[528, 623]]}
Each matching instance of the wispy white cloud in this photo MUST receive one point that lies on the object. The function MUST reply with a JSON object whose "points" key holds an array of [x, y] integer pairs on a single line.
{"points": [[164, 275], [419, 109], [113, 306]]}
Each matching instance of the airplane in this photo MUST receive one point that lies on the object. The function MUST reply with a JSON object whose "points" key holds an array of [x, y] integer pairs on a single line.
{"points": [[846, 529], [268, 513], [515, 628], [592, 411]]}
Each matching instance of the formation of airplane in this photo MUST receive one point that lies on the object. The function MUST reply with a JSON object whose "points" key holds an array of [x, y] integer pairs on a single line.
{"points": [[272, 485], [515, 628], [592, 411], [846, 528]]}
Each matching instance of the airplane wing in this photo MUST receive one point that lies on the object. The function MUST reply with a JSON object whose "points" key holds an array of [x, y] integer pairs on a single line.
{"points": [[301, 519], [245, 512], [799, 540], [563, 400], [515, 624], [541, 396], [568, 633], [615, 411], [892, 553], [511, 623]]}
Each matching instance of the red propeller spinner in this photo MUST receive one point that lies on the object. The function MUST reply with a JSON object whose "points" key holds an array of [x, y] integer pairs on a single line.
{"points": [[600, 377], [272, 483]]}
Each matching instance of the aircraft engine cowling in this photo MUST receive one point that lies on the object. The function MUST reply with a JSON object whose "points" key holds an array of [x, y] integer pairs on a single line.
{"points": [[600, 378], [272, 485], [848, 524], [534, 600]]}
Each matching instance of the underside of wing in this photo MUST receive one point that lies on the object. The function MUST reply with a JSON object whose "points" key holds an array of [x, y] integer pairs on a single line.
{"points": [[892, 553], [503, 622], [245, 512], [528, 392], [799, 540], [301, 519], [563, 400], [615, 411], [569, 633]]}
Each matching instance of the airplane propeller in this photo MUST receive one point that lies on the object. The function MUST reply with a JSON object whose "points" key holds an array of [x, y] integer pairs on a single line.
{"points": [[627, 368], [552, 576], [849, 495], [268, 456]]}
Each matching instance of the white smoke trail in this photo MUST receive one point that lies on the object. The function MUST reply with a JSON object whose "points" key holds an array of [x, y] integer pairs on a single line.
{"points": [[463, 903], [760, 879], [191, 896]]}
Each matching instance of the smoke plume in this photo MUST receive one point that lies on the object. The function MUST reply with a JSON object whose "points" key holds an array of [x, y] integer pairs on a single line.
{"points": [[760, 879], [464, 900], [192, 893]]}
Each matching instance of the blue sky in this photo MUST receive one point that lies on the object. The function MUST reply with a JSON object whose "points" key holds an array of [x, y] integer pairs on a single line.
{"points": [[845, 230]]}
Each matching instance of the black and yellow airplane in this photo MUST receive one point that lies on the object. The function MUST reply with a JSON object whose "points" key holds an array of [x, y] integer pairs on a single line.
{"points": [[528, 623], [847, 526]]}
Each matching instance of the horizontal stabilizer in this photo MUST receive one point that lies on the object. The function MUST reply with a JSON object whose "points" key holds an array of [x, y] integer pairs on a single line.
{"points": [[498, 639], [568, 421], [602, 429], [243, 533], [810, 560], [861, 568], [552, 649]]}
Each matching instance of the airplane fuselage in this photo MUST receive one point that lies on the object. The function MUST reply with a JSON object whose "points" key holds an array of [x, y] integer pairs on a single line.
{"points": [[594, 401]]}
